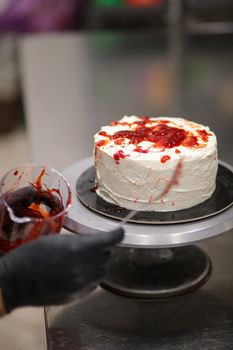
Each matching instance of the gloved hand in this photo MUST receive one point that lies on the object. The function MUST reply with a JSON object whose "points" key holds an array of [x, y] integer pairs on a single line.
{"points": [[49, 270]]}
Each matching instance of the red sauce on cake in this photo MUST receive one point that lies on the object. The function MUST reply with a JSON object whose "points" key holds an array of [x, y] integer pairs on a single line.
{"points": [[140, 150], [119, 154], [164, 159], [190, 141], [159, 134], [101, 143], [204, 135]]}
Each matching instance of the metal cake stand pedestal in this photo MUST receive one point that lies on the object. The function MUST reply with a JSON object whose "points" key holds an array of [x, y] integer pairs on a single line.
{"points": [[156, 273], [153, 261]]}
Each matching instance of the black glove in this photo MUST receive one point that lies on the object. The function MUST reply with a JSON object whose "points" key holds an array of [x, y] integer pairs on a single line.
{"points": [[49, 270]]}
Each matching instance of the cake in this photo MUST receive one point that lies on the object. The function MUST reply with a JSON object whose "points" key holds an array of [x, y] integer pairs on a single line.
{"points": [[136, 157]]}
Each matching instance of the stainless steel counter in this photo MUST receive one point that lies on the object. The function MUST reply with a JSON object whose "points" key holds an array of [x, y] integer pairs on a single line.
{"points": [[72, 85], [202, 319]]}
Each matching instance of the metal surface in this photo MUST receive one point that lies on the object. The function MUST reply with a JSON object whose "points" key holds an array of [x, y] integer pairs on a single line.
{"points": [[137, 235], [156, 273], [221, 199], [202, 319]]}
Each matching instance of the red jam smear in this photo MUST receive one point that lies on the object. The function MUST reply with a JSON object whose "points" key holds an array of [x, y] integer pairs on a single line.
{"points": [[50, 193], [38, 183], [204, 135], [177, 151], [140, 150], [119, 154], [103, 133], [164, 159], [101, 143], [190, 141], [164, 121], [160, 134], [119, 141]]}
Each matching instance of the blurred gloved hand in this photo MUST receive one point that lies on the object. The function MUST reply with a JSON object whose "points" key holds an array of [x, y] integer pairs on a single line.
{"points": [[50, 270]]}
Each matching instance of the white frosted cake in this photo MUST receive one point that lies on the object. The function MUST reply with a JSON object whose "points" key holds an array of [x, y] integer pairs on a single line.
{"points": [[136, 157]]}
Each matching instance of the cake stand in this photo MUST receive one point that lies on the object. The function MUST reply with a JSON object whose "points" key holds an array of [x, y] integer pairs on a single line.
{"points": [[155, 259]]}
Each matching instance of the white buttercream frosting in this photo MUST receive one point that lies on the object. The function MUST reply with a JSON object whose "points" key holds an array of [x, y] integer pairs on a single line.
{"points": [[134, 180]]}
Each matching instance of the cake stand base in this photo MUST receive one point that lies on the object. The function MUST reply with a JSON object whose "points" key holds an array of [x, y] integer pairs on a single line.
{"points": [[156, 273]]}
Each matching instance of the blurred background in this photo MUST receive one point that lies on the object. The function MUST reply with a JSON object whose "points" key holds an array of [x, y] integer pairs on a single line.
{"points": [[164, 46], [143, 57]]}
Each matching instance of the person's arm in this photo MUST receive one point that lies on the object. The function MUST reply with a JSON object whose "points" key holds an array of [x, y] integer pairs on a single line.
{"points": [[2, 306], [51, 270]]}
